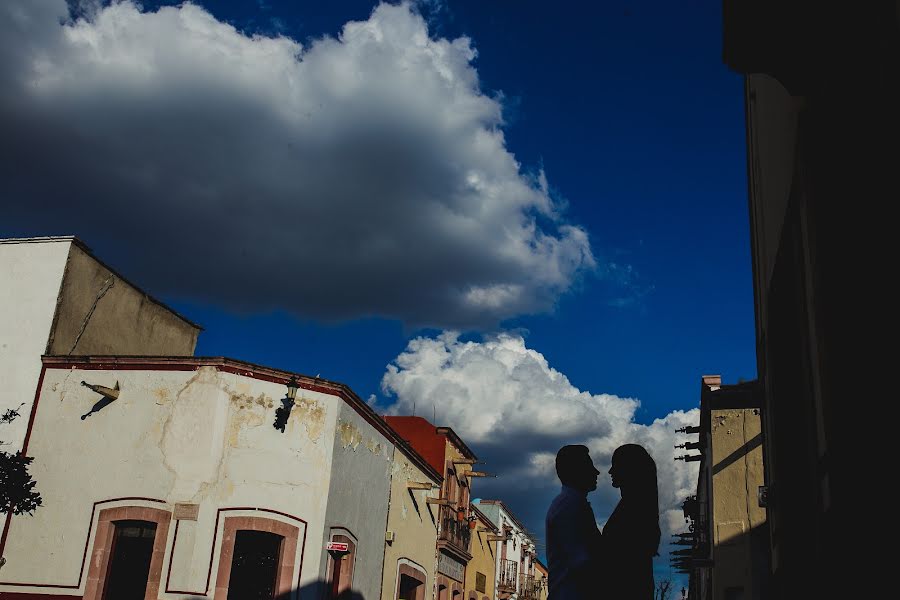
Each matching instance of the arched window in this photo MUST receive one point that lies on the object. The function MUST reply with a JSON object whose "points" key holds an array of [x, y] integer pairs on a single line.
{"points": [[411, 581], [256, 559]]}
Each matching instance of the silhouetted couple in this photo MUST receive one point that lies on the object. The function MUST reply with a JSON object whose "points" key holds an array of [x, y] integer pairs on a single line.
{"points": [[616, 564]]}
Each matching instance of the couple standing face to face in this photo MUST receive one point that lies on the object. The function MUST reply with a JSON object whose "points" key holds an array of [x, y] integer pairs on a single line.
{"points": [[576, 469], [622, 555]]}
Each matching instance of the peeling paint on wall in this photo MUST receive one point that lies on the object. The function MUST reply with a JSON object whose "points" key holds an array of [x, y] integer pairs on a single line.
{"points": [[311, 414], [248, 412], [350, 435], [162, 395]]}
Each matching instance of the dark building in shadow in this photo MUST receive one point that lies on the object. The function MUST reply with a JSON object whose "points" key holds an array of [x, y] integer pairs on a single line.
{"points": [[822, 100]]}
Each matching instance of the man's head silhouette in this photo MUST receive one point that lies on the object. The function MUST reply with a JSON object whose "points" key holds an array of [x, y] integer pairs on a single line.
{"points": [[575, 468]]}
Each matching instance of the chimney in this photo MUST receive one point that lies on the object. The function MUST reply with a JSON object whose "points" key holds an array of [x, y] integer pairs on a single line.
{"points": [[713, 382]]}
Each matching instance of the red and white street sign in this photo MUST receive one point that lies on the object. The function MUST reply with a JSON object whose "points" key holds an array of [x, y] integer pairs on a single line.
{"points": [[337, 547]]}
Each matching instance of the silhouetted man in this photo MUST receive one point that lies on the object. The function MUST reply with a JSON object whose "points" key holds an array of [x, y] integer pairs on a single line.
{"points": [[573, 540]]}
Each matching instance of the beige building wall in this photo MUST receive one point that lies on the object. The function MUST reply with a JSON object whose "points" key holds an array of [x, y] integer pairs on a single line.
{"points": [[413, 524], [484, 562], [101, 313], [737, 472], [457, 489]]}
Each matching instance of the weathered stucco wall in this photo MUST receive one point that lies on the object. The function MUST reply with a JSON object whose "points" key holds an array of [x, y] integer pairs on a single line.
{"points": [[100, 313], [30, 277], [737, 473], [358, 496], [414, 524], [201, 436], [484, 561]]}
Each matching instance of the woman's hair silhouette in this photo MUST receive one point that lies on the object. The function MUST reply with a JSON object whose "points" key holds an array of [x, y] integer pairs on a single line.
{"points": [[631, 535]]}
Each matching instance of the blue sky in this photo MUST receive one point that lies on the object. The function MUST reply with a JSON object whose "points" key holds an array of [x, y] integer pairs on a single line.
{"points": [[640, 128], [288, 184]]}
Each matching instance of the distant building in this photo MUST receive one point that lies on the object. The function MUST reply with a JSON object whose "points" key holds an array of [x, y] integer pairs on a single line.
{"points": [[410, 561], [726, 553], [450, 456], [540, 578], [482, 569], [515, 555], [57, 298]]}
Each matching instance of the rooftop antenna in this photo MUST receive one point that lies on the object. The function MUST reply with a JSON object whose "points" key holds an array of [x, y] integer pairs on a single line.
{"points": [[433, 417], [414, 408]]}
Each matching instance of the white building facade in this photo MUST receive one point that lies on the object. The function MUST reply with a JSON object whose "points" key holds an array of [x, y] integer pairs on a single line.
{"points": [[57, 298], [186, 467], [515, 556]]}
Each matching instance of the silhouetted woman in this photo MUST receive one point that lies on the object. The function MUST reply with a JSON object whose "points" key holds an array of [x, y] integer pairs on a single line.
{"points": [[631, 535]]}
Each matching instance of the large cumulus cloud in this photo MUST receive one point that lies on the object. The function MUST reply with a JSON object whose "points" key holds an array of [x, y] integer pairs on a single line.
{"points": [[365, 174], [516, 411]]}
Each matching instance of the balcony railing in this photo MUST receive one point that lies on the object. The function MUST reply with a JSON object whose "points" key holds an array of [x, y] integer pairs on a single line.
{"points": [[508, 571], [455, 531], [528, 587]]}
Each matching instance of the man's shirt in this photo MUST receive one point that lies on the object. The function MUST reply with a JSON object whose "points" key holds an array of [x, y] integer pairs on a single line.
{"points": [[573, 544]]}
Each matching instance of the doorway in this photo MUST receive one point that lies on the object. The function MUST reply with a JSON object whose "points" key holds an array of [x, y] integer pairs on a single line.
{"points": [[129, 564], [254, 565]]}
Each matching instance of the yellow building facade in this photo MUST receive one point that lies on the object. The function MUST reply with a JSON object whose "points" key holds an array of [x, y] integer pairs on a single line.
{"points": [[409, 556], [480, 573]]}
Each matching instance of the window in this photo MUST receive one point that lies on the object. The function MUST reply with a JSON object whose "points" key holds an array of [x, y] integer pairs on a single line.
{"points": [[254, 565], [408, 589], [129, 563], [480, 582], [257, 559]]}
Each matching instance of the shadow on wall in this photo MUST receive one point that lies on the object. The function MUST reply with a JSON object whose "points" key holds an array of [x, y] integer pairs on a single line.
{"points": [[317, 590]]}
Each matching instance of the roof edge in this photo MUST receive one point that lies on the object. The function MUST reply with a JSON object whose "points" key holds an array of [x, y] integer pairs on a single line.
{"points": [[74, 240], [509, 513], [454, 437]]}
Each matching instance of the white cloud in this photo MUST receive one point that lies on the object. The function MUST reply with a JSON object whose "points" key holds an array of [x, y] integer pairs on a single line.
{"points": [[360, 175], [516, 411]]}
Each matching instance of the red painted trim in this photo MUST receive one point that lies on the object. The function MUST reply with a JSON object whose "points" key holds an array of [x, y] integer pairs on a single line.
{"points": [[263, 373], [8, 520], [37, 396], [27, 596], [302, 553], [171, 558], [86, 542]]}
